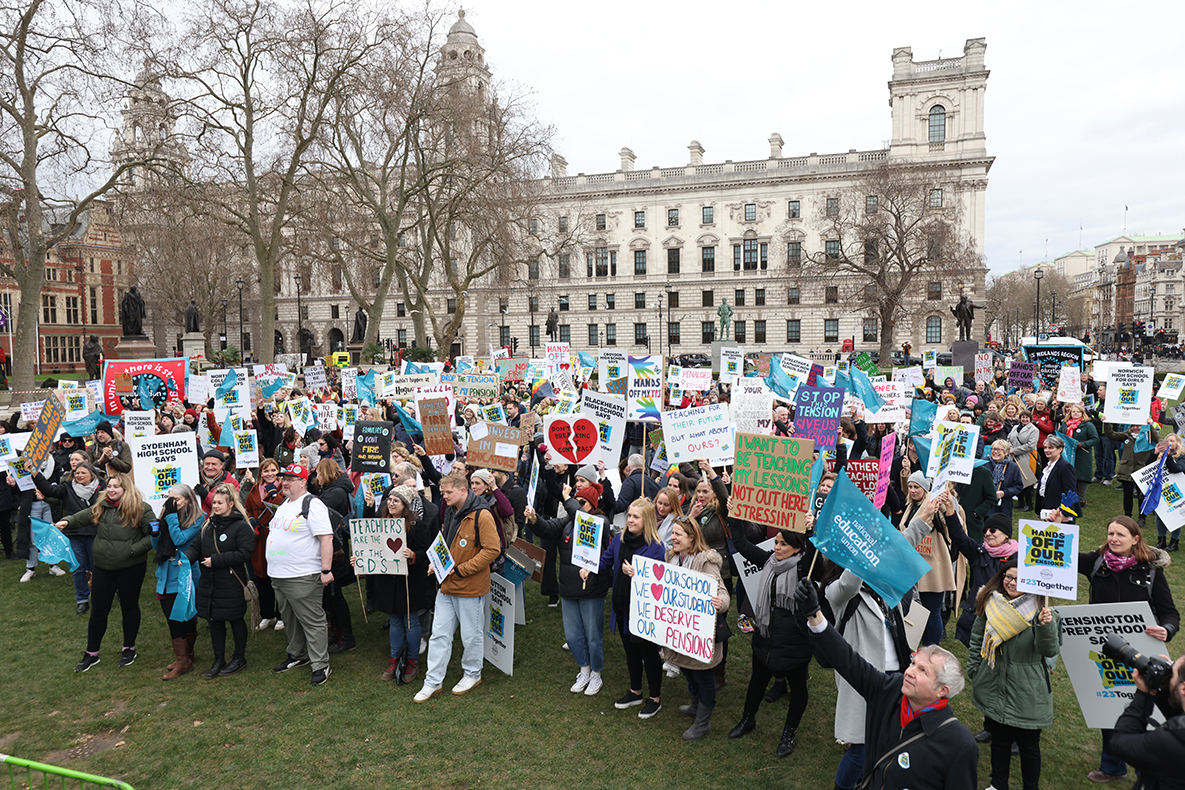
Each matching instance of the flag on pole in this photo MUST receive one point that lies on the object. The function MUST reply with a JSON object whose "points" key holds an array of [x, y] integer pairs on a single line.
{"points": [[53, 545], [1155, 488], [864, 390]]}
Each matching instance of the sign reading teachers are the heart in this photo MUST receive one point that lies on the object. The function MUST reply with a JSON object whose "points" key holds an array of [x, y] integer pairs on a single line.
{"points": [[377, 545], [572, 437]]}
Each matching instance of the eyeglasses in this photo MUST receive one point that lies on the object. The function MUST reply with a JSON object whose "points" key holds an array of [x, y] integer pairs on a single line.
{"points": [[1008, 579], [991, 529]]}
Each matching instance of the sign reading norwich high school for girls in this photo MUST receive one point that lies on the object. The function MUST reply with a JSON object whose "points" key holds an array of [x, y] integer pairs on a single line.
{"points": [[771, 480], [672, 607]]}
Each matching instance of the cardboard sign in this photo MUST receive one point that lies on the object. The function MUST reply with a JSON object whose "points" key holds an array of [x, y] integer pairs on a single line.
{"points": [[438, 434], [494, 446], [165, 379], [672, 607], [817, 411], [750, 572], [1104, 687], [574, 438], [983, 367], [476, 385], [586, 541], [700, 433], [1129, 395], [512, 368], [1069, 384], [160, 462], [771, 480], [377, 545], [608, 412], [41, 438], [500, 617], [1048, 559], [372, 446]]}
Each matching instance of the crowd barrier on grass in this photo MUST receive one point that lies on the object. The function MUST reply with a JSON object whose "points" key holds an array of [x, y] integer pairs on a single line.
{"points": [[51, 774]]}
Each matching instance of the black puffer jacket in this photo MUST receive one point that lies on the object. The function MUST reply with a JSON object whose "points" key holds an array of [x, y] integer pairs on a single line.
{"points": [[788, 645], [336, 494], [71, 501], [228, 542], [560, 530]]}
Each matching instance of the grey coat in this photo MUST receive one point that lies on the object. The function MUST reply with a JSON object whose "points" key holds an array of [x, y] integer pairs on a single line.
{"points": [[865, 632]]}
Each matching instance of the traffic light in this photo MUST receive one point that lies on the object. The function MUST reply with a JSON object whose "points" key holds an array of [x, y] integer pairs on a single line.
{"points": [[514, 345], [1122, 327]]}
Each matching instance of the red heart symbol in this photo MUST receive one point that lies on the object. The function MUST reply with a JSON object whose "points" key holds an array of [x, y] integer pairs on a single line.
{"points": [[656, 591], [558, 437], [395, 544], [658, 570], [586, 436]]}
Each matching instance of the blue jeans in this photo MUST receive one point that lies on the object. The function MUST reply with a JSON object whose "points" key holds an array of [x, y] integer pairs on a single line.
{"points": [[584, 625], [702, 685], [83, 546], [933, 633], [851, 767], [404, 631], [1110, 764], [453, 612], [1105, 459]]}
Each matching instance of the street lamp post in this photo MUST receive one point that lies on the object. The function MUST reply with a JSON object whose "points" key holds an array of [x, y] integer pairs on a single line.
{"points": [[502, 332], [224, 330], [1037, 275], [1053, 310], [242, 345], [299, 316]]}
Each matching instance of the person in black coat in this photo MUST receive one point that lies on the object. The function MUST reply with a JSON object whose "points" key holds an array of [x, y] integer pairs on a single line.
{"points": [[78, 490], [635, 485], [781, 645], [336, 490], [911, 736], [223, 549], [1058, 478], [1156, 753]]}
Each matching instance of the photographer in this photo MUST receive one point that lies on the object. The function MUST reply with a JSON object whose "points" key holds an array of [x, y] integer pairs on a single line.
{"points": [[1158, 754]]}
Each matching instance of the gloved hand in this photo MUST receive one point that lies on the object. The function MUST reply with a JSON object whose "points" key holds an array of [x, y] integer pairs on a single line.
{"points": [[807, 598], [168, 507]]}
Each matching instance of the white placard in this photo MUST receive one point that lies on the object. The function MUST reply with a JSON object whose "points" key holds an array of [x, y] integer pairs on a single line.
{"points": [[732, 364], [76, 404], [797, 366], [440, 558], [1069, 384], [237, 400], [703, 432], [672, 607], [911, 376], [695, 379], [586, 541], [749, 571], [608, 412], [377, 545], [1170, 388], [327, 416], [314, 378], [952, 455], [246, 449], [139, 424], [160, 462], [610, 366], [1172, 495], [31, 410], [1129, 395], [1048, 559], [500, 616], [751, 406], [197, 389]]}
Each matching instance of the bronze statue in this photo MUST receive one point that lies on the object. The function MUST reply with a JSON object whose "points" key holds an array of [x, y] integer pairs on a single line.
{"points": [[964, 313], [553, 323], [360, 320], [725, 313], [193, 318], [92, 352], [132, 313]]}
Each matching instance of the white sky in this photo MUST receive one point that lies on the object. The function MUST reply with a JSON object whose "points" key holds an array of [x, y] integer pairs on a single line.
{"points": [[1085, 103]]}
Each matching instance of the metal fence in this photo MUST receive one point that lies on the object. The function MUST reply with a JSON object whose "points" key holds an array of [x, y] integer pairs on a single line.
{"points": [[24, 774]]}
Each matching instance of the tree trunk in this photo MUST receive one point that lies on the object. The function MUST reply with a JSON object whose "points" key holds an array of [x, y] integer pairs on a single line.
{"points": [[24, 339]]}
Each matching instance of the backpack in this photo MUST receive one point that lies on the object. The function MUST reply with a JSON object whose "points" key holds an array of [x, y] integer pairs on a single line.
{"points": [[337, 521], [503, 531]]}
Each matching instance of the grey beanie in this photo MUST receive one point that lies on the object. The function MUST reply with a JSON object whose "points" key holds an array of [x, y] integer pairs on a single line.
{"points": [[485, 476], [920, 479], [588, 472]]}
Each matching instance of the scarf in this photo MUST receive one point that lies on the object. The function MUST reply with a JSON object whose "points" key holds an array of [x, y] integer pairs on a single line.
{"points": [[1071, 426], [112, 502], [908, 714], [85, 492], [1005, 619], [1003, 551], [998, 473], [1116, 563], [775, 587]]}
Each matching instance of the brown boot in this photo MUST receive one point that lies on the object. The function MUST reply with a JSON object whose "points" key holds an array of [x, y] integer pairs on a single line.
{"points": [[718, 673], [411, 669], [183, 663], [190, 641]]}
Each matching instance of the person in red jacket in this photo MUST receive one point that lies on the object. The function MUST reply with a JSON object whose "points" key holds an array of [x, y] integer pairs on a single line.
{"points": [[1043, 419]]}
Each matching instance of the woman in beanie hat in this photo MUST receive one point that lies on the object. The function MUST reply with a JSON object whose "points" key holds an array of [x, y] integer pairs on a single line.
{"points": [[984, 561], [588, 475], [582, 594], [935, 549], [482, 483], [402, 598]]}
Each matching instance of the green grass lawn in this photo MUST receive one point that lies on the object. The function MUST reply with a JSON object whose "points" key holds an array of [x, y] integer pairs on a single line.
{"points": [[263, 730]]}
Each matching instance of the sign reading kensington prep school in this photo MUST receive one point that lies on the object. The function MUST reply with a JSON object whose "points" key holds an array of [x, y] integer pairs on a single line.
{"points": [[771, 480], [672, 607]]}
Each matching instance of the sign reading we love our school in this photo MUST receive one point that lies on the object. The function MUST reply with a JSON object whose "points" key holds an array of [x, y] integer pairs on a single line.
{"points": [[672, 607]]}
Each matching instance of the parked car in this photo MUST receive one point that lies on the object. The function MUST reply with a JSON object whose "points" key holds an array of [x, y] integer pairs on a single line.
{"points": [[693, 361]]}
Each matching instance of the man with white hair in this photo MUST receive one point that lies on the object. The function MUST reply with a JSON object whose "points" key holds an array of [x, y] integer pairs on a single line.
{"points": [[636, 484], [912, 738]]}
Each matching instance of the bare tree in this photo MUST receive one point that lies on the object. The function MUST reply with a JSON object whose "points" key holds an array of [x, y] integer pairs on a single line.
{"points": [[59, 73], [893, 231], [1015, 293]]}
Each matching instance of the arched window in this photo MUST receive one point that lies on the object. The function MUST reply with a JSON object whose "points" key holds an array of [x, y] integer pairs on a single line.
{"points": [[934, 329], [937, 123]]}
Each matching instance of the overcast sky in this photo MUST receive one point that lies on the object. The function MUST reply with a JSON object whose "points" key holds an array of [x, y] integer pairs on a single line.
{"points": [[1085, 107]]}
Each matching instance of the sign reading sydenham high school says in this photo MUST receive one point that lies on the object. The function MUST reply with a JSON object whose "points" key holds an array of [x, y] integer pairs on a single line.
{"points": [[672, 607], [161, 462], [816, 414], [1129, 395], [377, 545], [771, 480], [1104, 687], [500, 618], [1048, 559], [703, 432]]}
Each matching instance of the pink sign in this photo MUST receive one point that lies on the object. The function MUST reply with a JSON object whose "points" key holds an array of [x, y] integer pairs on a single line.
{"points": [[864, 473], [888, 443]]}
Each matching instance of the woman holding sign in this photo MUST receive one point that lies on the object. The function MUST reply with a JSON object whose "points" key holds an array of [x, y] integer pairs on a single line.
{"points": [[1126, 569], [689, 549], [1078, 427], [710, 511], [1173, 464], [1014, 633], [935, 549]]}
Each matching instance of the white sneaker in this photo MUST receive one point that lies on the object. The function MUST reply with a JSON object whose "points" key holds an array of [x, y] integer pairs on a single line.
{"points": [[671, 670], [426, 693], [265, 624], [29, 574], [581, 681], [465, 684], [423, 645], [279, 625], [594, 684], [54, 570]]}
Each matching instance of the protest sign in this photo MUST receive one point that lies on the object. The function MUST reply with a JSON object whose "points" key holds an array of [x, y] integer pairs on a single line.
{"points": [[574, 438], [494, 446], [377, 545], [910, 377], [695, 379], [558, 356], [327, 417], [440, 558], [246, 444], [983, 367], [863, 472], [138, 424], [1104, 687], [476, 385], [1048, 559], [1129, 395], [235, 399], [1021, 374], [771, 480], [1170, 388], [929, 358], [732, 364], [586, 541], [659, 461], [23, 471], [888, 443], [372, 446], [610, 367], [165, 379], [41, 438], [95, 388], [702, 432], [952, 456], [644, 387], [439, 391], [434, 417], [608, 412], [315, 379], [161, 462], [300, 411], [493, 413], [1069, 384], [404, 387], [198, 389], [500, 607], [511, 368], [1049, 358], [1171, 509], [943, 372], [816, 415], [74, 403], [795, 366], [672, 607], [752, 406], [750, 572]]}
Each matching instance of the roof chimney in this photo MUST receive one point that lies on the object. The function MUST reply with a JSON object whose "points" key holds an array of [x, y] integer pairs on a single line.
{"points": [[559, 166], [697, 153], [627, 160], [775, 146]]}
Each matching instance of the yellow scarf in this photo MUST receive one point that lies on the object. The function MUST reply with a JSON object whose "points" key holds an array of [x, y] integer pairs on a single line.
{"points": [[1005, 619]]}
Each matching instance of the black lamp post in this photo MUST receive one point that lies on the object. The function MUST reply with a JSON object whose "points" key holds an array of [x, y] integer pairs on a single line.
{"points": [[1037, 275], [242, 345], [299, 316], [224, 331], [1053, 310]]}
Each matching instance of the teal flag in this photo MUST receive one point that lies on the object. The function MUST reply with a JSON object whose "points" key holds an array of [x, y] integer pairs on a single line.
{"points": [[185, 605], [410, 424], [921, 416], [53, 545], [229, 383], [144, 394], [272, 387], [364, 385], [780, 382], [86, 426], [862, 388], [852, 533]]}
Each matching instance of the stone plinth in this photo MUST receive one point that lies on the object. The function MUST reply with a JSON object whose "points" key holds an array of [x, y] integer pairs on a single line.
{"points": [[135, 347], [963, 353], [193, 344]]}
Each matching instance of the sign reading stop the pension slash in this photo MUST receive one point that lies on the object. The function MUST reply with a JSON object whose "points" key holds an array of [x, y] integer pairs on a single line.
{"points": [[672, 607], [771, 480]]}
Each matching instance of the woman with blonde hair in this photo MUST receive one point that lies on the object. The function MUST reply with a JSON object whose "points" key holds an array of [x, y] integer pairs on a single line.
{"points": [[640, 538], [182, 517], [223, 549], [689, 549], [123, 539], [667, 508]]}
